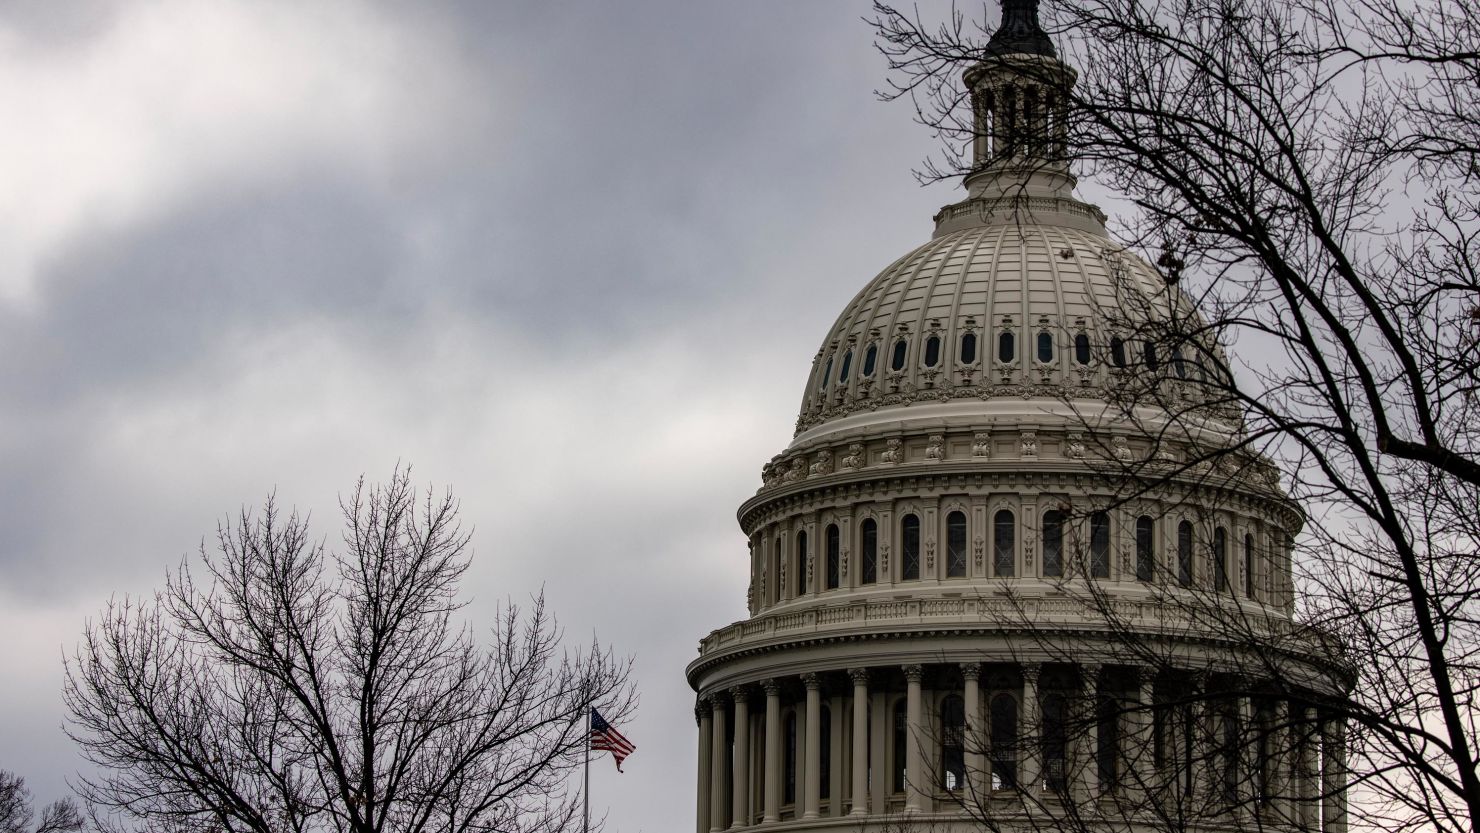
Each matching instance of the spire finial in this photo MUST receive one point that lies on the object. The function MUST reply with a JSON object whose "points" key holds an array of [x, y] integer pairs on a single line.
{"points": [[1020, 31]]}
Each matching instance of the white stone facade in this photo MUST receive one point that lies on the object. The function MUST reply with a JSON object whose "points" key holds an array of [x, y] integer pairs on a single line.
{"points": [[921, 553]]}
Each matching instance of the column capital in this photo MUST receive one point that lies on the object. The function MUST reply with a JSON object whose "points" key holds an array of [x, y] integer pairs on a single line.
{"points": [[1031, 671], [740, 694], [812, 681], [771, 686], [971, 670], [1090, 672], [914, 673], [703, 707], [859, 676]]}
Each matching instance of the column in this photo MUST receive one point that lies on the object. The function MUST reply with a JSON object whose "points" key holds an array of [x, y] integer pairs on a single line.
{"points": [[1028, 751], [1333, 775], [859, 676], [976, 764], [718, 753], [1281, 765], [773, 751], [740, 765], [1201, 765], [1143, 732], [1089, 745], [813, 794], [914, 765], [1246, 784], [1309, 793], [702, 713]]}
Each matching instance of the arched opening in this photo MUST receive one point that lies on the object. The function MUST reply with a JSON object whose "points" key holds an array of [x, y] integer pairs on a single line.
{"points": [[1249, 565], [1055, 742], [1152, 362], [901, 744], [799, 565], [1006, 348], [909, 533], [870, 535], [870, 356], [953, 743], [1099, 545], [1053, 543], [789, 764], [932, 351], [843, 371], [968, 348], [834, 557], [956, 545], [1117, 351], [896, 363], [1004, 544], [1184, 554], [1107, 743], [826, 374], [776, 588], [1081, 348], [1145, 552], [1045, 347], [1220, 559]]}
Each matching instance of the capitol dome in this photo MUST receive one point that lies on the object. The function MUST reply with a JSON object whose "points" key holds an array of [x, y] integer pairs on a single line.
{"points": [[998, 509]]}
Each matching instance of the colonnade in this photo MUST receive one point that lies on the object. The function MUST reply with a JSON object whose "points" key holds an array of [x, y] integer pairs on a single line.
{"points": [[832, 744]]}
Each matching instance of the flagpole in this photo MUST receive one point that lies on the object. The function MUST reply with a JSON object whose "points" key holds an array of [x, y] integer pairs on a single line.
{"points": [[586, 790]]}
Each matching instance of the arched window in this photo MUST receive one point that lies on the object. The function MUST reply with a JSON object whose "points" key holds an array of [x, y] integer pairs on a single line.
{"points": [[1053, 543], [1117, 351], [1184, 554], [968, 348], [1152, 362], [1220, 559], [847, 363], [824, 763], [1004, 740], [789, 765], [870, 535], [932, 351], [826, 373], [1081, 348], [776, 588], [901, 743], [1249, 565], [1055, 742], [896, 363], [800, 564], [909, 533], [1045, 347], [953, 743], [1099, 545], [1006, 349], [956, 545], [1178, 366], [834, 557], [1004, 543], [1107, 747], [870, 356], [1145, 552]]}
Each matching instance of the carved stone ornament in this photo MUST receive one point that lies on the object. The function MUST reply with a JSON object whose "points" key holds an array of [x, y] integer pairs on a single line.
{"points": [[936, 447], [859, 676], [893, 451], [971, 670], [1028, 541], [854, 457], [761, 586], [768, 475], [884, 559], [930, 555], [781, 574], [822, 463], [1029, 444], [843, 562], [914, 673], [1121, 449], [771, 686], [809, 570], [981, 445], [797, 471], [811, 681], [1076, 449], [979, 546]]}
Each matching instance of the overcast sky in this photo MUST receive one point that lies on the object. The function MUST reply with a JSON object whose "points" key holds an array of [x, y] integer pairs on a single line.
{"points": [[570, 259]]}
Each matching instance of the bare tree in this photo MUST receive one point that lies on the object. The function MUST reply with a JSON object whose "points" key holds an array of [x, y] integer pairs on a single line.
{"points": [[1308, 172], [300, 688], [16, 811]]}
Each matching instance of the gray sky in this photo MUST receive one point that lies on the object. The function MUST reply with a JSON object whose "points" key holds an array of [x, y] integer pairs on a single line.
{"points": [[571, 259]]}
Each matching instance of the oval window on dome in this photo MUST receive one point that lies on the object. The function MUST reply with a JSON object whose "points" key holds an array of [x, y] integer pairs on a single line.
{"points": [[1081, 348], [1152, 362], [826, 374], [1117, 351], [1179, 366], [968, 348], [1006, 348], [1045, 347], [869, 357], [847, 363], [932, 351], [896, 363]]}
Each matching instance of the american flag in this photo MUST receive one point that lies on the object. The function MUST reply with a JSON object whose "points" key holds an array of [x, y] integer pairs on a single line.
{"points": [[604, 737]]}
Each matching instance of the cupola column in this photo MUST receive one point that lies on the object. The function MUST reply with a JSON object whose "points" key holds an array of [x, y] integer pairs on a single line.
{"points": [[1309, 793], [859, 676], [1333, 775], [740, 766], [1143, 732], [813, 793], [719, 750], [1282, 765], [702, 712], [1089, 756], [1029, 730], [772, 784], [976, 765], [914, 766]]}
